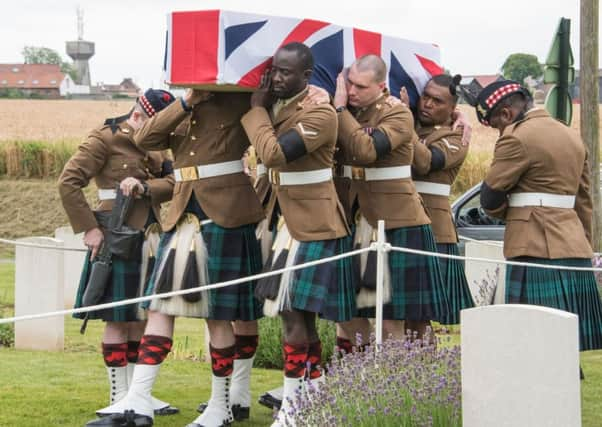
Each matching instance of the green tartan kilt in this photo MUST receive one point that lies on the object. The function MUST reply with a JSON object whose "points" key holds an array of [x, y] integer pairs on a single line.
{"points": [[232, 253], [572, 291], [418, 291], [456, 285], [327, 289], [123, 284]]}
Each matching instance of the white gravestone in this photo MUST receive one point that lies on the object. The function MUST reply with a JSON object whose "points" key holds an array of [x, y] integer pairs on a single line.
{"points": [[39, 289], [73, 262], [487, 281], [520, 367]]}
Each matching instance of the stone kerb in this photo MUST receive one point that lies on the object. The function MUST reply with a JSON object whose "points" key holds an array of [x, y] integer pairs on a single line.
{"points": [[39, 289], [520, 367]]}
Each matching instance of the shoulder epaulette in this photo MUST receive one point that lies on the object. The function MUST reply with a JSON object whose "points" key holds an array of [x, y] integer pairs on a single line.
{"points": [[114, 122]]}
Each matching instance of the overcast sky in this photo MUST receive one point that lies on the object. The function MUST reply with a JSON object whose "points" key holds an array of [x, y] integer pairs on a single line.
{"points": [[475, 36]]}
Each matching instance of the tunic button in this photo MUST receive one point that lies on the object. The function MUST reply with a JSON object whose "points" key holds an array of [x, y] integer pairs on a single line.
{"points": [[194, 122], [147, 169], [125, 166], [193, 138], [192, 153], [221, 126]]}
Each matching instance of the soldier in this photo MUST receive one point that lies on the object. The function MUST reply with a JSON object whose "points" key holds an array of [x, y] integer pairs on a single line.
{"points": [[110, 157], [438, 156], [210, 238], [539, 184], [377, 139], [297, 142]]}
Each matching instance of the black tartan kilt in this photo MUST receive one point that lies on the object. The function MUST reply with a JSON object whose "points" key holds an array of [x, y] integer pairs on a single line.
{"points": [[455, 283], [417, 286], [232, 253], [123, 284], [327, 289]]}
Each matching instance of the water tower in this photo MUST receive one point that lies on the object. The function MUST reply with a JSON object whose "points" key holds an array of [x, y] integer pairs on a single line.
{"points": [[81, 51]]}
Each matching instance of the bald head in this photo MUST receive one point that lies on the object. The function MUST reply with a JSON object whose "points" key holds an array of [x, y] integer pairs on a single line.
{"points": [[372, 63]]}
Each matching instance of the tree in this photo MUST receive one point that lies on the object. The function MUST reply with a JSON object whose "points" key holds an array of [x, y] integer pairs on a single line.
{"points": [[44, 55], [520, 65]]}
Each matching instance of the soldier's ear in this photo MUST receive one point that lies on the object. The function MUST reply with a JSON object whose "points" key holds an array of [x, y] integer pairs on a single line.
{"points": [[307, 74]]}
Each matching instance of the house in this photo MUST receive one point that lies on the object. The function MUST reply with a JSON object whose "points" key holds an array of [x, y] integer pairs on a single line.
{"points": [[38, 80], [474, 84], [126, 89], [574, 87]]}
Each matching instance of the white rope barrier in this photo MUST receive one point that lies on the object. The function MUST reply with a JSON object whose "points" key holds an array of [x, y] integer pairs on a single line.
{"points": [[40, 246], [182, 291]]}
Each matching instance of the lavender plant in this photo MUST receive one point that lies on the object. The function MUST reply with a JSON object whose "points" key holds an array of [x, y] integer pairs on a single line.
{"points": [[406, 383]]}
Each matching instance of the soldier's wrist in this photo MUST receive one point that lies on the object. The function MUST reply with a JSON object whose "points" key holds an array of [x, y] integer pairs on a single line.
{"points": [[185, 106]]}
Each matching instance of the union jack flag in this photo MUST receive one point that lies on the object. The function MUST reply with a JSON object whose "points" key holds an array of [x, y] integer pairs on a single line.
{"points": [[217, 47]]}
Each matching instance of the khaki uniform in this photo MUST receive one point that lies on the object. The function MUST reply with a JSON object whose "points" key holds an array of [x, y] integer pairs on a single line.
{"points": [[449, 143], [539, 154], [210, 134], [108, 157], [393, 200], [312, 211]]}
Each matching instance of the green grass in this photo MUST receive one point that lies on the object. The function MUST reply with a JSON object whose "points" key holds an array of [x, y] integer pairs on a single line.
{"points": [[48, 389]]}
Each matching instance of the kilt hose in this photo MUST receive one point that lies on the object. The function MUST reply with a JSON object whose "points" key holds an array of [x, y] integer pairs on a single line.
{"points": [[326, 289], [232, 253], [572, 291], [123, 284], [454, 282], [418, 291]]}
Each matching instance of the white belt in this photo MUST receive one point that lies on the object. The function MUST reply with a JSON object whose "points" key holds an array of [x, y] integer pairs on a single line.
{"points": [[261, 170], [106, 194], [433, 188], [300, 178], [377, 174], [192, 173], [519, 200]]}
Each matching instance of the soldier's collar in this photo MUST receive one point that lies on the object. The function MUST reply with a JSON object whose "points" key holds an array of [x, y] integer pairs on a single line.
{"points": [[114, 122]]}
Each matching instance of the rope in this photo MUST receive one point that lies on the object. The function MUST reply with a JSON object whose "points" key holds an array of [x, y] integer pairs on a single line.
{"points": [[37, 245]]}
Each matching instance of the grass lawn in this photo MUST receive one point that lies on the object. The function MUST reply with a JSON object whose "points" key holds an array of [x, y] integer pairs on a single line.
{"points": [[52, 389]]}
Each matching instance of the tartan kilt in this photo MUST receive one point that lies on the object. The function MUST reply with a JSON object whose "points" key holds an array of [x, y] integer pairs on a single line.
{"points": [[327, 289], [572, 291], [418, 291], [123, 284], [232, 253], [456, 285]]}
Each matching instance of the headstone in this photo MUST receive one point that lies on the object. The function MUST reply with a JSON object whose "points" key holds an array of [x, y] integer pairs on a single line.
{"points": [[73, 262], [520, 367], [39, 289], [486, 280]]}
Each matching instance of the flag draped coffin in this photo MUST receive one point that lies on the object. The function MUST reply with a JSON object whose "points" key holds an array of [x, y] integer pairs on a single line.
{"points": [[223, 50]]}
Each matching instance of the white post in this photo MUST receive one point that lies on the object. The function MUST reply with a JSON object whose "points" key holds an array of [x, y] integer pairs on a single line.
{"points": [[380, 280]]}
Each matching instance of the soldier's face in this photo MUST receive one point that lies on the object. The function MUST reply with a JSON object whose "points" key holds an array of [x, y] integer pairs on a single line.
{"points": [[362, 88], [436, 105], [502, 117], [288, 77], [137, 119]]}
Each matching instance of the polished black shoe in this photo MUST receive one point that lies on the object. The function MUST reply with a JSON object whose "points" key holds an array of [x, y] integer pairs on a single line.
{"points": [[127, 419], [238, 412], [270, 401], [167, 410]]}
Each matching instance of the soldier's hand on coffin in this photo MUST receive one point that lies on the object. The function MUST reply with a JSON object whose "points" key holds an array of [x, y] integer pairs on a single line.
{"points": [[461, 121], [196, 96], [340, 95], [93, 239], [131, 187], [404, 97], [316, 95]]}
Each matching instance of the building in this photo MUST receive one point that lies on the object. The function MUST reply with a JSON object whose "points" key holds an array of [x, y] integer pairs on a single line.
{"points": [[474, 84], [38, 80], [126, 89]]}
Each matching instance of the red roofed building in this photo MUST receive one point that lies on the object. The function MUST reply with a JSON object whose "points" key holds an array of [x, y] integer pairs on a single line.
{"points": [[43, 80]]}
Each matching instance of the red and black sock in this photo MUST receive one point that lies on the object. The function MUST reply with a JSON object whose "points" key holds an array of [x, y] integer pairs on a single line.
{"points": [[153, 349], [132, 353], [344, 345], [222, 360], [314, 359], [295, 360], [115, 354], [246, 346]]}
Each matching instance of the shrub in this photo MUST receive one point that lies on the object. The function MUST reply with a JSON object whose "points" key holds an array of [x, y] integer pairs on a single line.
{"points": [[34, 159], [404, 384], [7, 335]]}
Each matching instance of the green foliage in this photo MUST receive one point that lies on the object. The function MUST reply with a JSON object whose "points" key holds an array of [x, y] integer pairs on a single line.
{"points": [[7, 335], [44, 55], [12, 93], [520, 65], [34, 159]]}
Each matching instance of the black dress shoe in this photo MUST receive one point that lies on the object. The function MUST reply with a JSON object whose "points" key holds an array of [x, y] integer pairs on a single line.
{"points": [[127, 419], [238, 412], [167, 410], [270, 401]]}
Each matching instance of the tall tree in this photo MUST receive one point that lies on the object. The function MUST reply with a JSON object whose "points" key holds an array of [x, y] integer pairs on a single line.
{"points": [[520, 65], [45, 55]]}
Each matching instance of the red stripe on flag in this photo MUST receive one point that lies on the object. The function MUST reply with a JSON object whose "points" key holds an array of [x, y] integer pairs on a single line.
{"points": [[432, 67], [300, 33], [194, 47], [366, 42]]}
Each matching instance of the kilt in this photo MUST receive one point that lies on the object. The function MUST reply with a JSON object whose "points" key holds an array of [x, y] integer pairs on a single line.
{"points": [[455, 283], [418, 291], [327, 289], [232, 253], [572, 291], [123, 284]]}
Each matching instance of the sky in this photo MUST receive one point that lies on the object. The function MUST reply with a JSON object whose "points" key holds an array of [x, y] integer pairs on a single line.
{"points": [[475, 36]]}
